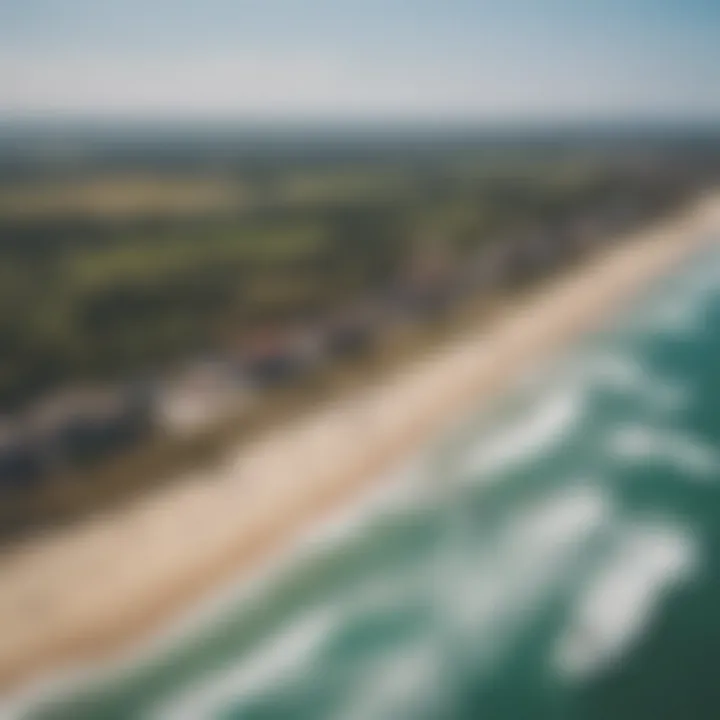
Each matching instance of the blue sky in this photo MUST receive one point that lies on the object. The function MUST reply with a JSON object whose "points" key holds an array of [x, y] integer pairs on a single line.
{"points": [[356, 59]]}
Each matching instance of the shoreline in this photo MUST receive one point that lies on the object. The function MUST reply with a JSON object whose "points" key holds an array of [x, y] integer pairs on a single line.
{"points": [[98, 588]]}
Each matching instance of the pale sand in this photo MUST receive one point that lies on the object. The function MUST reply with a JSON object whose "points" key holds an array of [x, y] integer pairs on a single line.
{"points": [[81, 593]]}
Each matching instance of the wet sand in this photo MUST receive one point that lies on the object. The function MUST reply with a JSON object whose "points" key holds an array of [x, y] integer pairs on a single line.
{"points": [[80, 594]]}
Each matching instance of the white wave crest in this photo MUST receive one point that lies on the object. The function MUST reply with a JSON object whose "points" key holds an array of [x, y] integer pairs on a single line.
{"points": [[541, 430], [619, 603], [280, 657], [402, 684], [487, 595], [644, 443]]}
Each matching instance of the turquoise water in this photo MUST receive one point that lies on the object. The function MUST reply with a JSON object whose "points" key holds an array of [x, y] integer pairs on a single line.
{"points": [[558, 557]]}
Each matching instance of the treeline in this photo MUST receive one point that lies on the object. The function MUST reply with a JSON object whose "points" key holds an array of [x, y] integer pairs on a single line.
{"points": [[93, 298]]}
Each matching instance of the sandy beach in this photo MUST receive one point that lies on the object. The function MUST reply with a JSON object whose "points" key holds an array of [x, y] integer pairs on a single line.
{"points": [[79, 594]]}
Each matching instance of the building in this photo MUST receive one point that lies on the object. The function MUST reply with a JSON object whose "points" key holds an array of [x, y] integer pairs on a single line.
{"points": [[82, 424], [20, 464], [202, 393], [351, 331], [274, 357]]}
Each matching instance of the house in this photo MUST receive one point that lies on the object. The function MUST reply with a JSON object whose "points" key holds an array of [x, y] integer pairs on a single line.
{"points": [[200, 394], [81, 424], [20, 464], [276, 356], [485, 273], [351, 331]]}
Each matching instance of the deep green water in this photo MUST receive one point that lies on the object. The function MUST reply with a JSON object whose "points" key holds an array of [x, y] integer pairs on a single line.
{"points": [[558, 557]]}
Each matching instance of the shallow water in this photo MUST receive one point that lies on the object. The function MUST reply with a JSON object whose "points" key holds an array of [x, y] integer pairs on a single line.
{"points": [[558, 557]]}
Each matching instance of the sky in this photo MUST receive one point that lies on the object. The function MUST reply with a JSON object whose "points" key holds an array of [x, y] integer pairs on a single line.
{"points": [[466, 60]]}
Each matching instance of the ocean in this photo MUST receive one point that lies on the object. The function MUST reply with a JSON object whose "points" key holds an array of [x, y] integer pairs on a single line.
{"points": [[556, 555]]}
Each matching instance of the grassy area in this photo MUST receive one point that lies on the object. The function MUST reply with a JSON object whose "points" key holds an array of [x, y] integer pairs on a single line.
{"points": [[84, 296], [91, 294]]}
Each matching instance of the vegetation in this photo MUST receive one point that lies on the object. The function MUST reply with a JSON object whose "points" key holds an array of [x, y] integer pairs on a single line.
{"points": [[115, 266], [91, 288]]}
